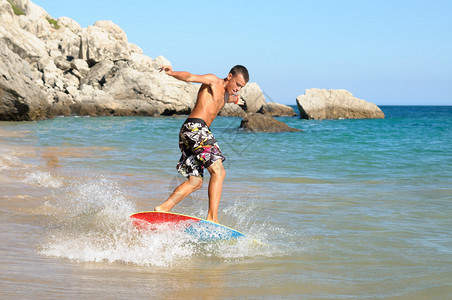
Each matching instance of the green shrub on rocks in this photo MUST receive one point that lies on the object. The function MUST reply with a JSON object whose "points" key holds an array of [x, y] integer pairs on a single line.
{"points": [[54, 23], [17, 10]]}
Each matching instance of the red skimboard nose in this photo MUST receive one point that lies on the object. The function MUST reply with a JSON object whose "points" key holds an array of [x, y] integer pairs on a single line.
{"points": [[150, 219]]}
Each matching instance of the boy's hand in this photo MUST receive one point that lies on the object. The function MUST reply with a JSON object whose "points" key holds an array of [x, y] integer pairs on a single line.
{"points": [[167, 69], [239, 100], [242, 103]]}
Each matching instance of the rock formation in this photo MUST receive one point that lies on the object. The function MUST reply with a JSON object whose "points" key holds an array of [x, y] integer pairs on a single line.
{"points": [[277, 110], [55, 67], [264, 123], [21, 98], [335, 104]]}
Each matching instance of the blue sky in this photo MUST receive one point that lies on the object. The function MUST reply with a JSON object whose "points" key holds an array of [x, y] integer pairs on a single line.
{"points": [[393, 52]]}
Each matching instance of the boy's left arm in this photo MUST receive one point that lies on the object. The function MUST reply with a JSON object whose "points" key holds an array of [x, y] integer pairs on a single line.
{"points": [[236, 99]]}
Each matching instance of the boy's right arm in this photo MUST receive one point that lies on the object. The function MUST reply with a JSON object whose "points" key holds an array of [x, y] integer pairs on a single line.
{"points": [[208, 79]]}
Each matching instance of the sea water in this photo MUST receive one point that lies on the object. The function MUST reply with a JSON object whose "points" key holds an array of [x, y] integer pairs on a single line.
{"points": [[344, 209]]}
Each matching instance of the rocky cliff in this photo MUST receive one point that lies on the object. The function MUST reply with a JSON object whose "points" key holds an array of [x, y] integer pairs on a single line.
{"points": [[54, 67]]}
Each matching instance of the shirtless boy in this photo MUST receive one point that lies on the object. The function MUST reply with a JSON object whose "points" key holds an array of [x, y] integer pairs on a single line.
{"points": [[199, 148]]}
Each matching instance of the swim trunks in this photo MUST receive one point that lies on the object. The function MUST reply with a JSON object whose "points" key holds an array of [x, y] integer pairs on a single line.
{"points": [[199, 148]]}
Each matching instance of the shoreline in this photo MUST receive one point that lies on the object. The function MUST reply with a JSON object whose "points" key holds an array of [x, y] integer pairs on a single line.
{"points": [[341, 200]]}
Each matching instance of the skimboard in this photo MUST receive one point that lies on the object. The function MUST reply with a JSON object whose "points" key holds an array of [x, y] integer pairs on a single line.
{"points": [[202, 229]]}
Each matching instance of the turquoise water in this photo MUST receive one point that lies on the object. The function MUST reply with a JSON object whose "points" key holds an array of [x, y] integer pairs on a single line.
{"points": [[346, 208]]}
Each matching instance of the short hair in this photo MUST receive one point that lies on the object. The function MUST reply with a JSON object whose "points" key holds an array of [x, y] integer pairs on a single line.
{"points": [[239, 69]]}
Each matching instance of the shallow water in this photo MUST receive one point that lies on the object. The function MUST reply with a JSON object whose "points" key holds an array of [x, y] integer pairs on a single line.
{"points": [[345, 209]]}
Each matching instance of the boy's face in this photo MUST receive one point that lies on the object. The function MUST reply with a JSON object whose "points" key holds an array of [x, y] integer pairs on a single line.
{"points": [[235, 84]]}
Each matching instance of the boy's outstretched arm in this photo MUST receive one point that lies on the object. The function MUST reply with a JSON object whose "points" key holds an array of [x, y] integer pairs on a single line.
{"points": [[189, 77]]}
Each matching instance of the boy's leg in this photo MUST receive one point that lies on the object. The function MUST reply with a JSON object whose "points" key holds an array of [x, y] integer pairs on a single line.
{"points": [[217, 175], [192, 184]]}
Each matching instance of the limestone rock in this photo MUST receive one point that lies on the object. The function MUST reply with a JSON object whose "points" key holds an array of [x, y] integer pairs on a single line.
{"points": [[20, 97], [62, 63], [112, 107], [50, 71], [128, 84], [39, 27], [232, 110], [96, 74], [35, 19], [72, 90], [70, 24], [64, 41], [61, 104], [335, 104], [104, 40], [174, 96], [160, 61], [31, 10], [81, 66], [253, 96], [134, 48], [277, 110], [6, 12], [142, 63], [265, 123], [19, 41], [52, 67]]}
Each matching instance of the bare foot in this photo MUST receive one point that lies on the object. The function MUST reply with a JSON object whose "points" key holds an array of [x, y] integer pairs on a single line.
{"points": [[213, 220], [160, 208]]}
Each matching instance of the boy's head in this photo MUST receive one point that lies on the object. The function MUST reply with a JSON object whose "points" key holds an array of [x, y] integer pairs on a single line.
{"points": [[239, 69], [237, 79]]}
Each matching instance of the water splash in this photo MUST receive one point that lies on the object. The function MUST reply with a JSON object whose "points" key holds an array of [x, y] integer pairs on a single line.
{"points": [[43, 179], [93, 225], [8, 162]]}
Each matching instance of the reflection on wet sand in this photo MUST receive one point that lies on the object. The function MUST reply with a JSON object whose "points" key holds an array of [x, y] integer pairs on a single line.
{"points": [[13, 133], [53, 155]]}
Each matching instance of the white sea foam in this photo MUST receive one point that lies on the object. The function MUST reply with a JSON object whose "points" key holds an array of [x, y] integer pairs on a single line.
{"points": [[8, 161], [44, 179]]}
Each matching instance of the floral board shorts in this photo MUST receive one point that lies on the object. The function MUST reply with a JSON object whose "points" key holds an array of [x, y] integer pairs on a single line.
{"points": [[199, 148]]}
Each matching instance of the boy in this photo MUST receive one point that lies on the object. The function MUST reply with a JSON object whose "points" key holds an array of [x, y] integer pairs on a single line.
{"points": [[198, 146]]}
